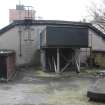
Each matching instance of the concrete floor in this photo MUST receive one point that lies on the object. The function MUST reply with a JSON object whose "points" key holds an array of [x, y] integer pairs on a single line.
{"points": [[32, 87]]}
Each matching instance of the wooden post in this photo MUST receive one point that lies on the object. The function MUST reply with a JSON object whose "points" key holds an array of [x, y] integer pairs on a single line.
{"points": [[78, 64], [58, 61], [77, 60]]}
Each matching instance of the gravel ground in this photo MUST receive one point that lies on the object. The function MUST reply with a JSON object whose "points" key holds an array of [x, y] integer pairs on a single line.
{"points": [[31, 87]]}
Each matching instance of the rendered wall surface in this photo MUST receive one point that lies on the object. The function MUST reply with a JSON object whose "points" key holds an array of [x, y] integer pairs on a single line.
{"points": [[96, 41], [11, 40]]}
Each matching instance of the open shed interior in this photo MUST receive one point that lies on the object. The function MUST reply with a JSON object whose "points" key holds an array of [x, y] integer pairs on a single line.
{"points": [[62, 59]]}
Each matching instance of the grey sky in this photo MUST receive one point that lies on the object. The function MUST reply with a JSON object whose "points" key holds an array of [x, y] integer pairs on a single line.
{"points": [[72, 10]]}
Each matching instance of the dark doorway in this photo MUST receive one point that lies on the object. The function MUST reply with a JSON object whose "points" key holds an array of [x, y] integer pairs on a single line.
{"points": [[3, 73]]}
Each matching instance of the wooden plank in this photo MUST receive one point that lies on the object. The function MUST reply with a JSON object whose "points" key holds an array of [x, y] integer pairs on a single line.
{"points": [[77, 60], [58, 61]]}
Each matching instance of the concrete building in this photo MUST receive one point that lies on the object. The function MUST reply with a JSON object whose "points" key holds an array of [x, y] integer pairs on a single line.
{"points": [[21, 12], [23, 36]]}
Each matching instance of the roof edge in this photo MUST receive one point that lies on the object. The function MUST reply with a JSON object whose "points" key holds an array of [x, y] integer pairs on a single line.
{"points": [[50, 22]]}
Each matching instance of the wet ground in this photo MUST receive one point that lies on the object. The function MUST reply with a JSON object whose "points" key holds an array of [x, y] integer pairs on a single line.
{"points": [[31, 87]]}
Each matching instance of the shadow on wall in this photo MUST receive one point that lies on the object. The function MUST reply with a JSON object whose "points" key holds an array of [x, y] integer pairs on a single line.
{"points": [[35, 62]]}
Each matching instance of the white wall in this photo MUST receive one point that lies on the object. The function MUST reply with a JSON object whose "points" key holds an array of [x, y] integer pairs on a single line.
{"points": [[10, 40], [96, 41]]}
